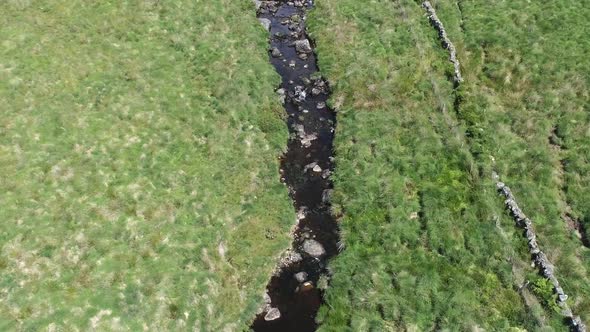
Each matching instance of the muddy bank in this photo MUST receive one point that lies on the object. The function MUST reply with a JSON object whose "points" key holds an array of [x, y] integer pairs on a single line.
{"points": [[295, 291]]}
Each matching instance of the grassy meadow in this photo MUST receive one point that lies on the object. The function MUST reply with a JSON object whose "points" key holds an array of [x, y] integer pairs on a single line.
{"points": [[139, 182], [428, 243], [138, 165], [526, 107]]}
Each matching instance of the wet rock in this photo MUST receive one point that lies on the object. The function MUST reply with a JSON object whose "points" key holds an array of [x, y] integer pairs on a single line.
{"points": [[265, 23], [309, 166], [301, 276], [299, 128], [302, 56], [327, 195], [276, 53], [303, 46], [301, 213], [282, 94], [317, 169], [290, 258], [257, 4], [321, 105], [266, 306], [307, 139], [313, 248], [272, 314], [306, 287], [292, 64], [316, 91], [300, 94]]}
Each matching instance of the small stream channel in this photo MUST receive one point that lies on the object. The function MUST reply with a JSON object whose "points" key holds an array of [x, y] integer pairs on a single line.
{"points": [[295, 291]]}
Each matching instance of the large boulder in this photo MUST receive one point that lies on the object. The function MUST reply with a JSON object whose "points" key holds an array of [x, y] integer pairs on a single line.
{"points": [[272, 314], [313, 248]]}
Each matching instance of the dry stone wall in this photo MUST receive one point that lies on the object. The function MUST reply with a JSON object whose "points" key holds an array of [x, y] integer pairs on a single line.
{"points": [[539, 258], [442, 33]]}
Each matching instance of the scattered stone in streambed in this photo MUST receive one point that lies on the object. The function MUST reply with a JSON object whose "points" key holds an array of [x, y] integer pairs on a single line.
{"points": [[309, 166], [257, 4], [307, 139], [265, 23], [266, 306], [321, 105], [307, 286], [276, 53], [272, 314], [303, 46], [317, 169], [326, 195], [301, 213], [282, 94], [301, 276], [300, 94], [291, 257], [313, 248]]}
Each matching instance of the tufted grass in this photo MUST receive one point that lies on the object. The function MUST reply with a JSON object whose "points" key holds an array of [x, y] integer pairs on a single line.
{"points": [[428, 243], [138, 165]]}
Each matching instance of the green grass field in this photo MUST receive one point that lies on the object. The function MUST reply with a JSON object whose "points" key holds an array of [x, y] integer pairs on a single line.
{"points": [[139, 180], [138, 160], [429, 246]]}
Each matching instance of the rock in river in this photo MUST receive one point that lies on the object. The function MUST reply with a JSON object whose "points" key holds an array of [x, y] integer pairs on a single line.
{"points": [[276, 53], [313, 248], [303, 46], [301, 276], [265, 23], [272, 314]]}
